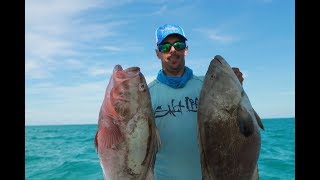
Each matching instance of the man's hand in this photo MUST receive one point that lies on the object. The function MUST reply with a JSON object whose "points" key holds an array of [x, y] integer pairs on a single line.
{"points": [[238, 73]]}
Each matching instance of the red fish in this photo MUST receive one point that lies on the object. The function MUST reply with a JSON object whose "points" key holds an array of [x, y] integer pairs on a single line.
{"points": [[127, 139]]}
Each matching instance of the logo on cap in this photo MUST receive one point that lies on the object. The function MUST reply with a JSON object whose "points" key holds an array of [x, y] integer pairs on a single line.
{"points": [[166, 30]]}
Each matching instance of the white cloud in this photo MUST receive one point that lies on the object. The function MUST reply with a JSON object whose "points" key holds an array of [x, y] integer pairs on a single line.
{"points": [[161, 10], [47, 25], [215, 35], [43, 46], [35, 71], [112, 48], [221, 38], [48, 102], [100, 71], [56, 31]]}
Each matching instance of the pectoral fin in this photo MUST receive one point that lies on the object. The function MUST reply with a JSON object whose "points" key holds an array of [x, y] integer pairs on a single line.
{"points": [[258, 120], [108, 136], [245, 121], [255, 175]]}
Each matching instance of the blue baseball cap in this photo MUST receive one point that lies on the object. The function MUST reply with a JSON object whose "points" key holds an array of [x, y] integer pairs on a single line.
{"points": [[163, 31]]}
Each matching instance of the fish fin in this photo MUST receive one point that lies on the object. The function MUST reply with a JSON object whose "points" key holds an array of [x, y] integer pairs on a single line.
{"points": [[96, 141], [150, 174], [245, 121], [255, 175], [157, 143], [108, 136], [258, 120], [158, 140]]}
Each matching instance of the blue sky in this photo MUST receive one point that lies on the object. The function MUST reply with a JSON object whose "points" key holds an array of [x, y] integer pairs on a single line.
{"points": [[72, 46]]}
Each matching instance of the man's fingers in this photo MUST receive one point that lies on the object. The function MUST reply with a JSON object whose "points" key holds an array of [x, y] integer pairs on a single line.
{"points": [[238, 74]]}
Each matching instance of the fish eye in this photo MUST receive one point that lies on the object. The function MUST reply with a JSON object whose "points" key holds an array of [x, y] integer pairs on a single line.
{"points": [[142, 87], [212, 76]]}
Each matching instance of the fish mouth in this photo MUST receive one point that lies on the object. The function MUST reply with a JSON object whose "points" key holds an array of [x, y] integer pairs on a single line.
{"points": [[117, 67], [219, 61], [121, 76], [132, 72], [126, 74], [132, 69]]}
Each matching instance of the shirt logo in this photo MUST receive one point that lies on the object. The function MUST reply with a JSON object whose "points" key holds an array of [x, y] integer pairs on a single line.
{"points": [[177, 107]]}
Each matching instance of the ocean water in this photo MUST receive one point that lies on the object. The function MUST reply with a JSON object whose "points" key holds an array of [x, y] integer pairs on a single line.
{"points": [[67, 152]]}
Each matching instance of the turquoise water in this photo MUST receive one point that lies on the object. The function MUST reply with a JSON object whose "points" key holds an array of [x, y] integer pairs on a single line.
{"points": [[67, 151]]}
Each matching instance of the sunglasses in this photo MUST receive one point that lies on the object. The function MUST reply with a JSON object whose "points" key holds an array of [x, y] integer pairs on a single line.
{"points": [[167, 46]]}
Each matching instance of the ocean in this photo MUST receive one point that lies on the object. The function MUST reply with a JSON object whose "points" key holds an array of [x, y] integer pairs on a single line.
{"points": [[67, 151]]}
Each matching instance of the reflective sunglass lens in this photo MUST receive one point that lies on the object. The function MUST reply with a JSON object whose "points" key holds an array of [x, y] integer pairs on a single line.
{"points": [[166, 47], [179, 45]]}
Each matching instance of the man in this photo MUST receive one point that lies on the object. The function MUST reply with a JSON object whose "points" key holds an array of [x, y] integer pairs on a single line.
{"points": [[175, 94]]}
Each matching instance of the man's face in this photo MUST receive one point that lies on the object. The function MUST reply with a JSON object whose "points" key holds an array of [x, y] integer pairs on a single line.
{"points": [[173, 61]]}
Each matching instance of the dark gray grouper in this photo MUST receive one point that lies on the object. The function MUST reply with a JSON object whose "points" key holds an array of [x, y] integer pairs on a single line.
{"points": [[127, 139], [228, 126]]}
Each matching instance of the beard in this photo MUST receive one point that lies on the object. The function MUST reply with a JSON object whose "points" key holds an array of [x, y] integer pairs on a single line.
{"points": [[174, 66]]}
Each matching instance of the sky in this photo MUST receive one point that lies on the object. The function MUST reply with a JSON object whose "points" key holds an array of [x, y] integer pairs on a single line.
{"points": [[71, 48]]}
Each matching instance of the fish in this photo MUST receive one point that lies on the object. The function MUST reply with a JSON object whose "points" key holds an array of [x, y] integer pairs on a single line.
{"points": [[127, 139], [228, 127]]}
